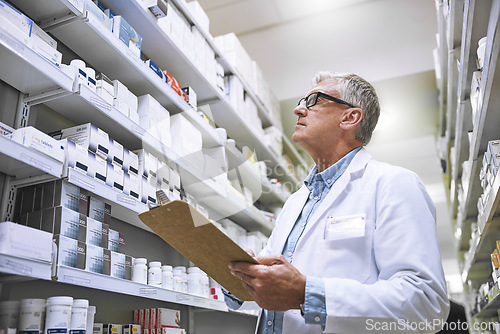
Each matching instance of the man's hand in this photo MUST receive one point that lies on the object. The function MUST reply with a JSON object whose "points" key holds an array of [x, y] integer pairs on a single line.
{"points": [[274, 283]]}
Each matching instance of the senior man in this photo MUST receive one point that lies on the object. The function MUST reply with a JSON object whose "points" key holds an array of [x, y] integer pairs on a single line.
{"points": [[355, 249]]}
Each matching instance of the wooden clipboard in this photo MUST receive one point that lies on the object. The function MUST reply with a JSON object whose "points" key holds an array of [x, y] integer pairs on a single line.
{"points": [[200, 241]]}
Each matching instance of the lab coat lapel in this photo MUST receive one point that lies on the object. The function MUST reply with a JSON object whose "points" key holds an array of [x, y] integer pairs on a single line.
{"points": [[288, 220], [358, 163]]}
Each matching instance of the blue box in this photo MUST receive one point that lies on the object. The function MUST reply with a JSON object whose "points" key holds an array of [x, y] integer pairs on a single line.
{"points": [[127, 34]]}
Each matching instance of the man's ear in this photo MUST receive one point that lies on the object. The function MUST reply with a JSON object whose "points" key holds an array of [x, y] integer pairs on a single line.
{"points": [[351, 118]]}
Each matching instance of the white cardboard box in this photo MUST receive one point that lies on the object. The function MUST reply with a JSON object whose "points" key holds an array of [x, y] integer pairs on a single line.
{"points": [[87, 135], [37, 140], [76, 157], [186, 138], [25, 242], [16, 18]]}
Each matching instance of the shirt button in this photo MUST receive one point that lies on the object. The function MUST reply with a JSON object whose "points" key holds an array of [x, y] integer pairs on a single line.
{"points": [[269, 323], [290, 253], [328, 181], [303, 224], [317, 319], [316, 197]]}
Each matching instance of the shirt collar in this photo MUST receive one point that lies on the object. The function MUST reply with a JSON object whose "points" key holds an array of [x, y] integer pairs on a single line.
{"points": [[332, 173]]}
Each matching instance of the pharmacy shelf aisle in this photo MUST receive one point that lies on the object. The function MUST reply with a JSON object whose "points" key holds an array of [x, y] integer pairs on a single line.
{"points": [[21, 161], [155, 43], [267, 119], [487, 117], [238, 129], [125, 208], [102, 282], [107, 54], [27, 71]]}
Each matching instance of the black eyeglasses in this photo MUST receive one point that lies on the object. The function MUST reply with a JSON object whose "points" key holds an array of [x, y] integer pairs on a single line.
{"points": [[311, 100]]}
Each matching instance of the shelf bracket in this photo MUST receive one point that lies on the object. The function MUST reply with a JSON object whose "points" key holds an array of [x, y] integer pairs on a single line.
{"points": [[26, 101], [8, 200], [54, 23]]}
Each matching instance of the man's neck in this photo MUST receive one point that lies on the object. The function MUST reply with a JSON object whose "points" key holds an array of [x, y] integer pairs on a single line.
{"points": [[323, 161]]}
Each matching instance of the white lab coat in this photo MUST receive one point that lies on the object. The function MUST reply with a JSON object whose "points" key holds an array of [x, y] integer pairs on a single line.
{"points": [[391, 271]]}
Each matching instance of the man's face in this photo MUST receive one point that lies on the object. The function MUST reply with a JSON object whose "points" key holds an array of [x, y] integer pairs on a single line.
{"points": [[318, 125]]}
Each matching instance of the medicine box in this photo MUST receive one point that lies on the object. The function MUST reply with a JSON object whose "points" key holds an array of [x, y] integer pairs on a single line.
{"points": [[95, 259], [99, 210], [37, 140], [25, 242], [97, 328], [70, 252], [87, 135], [173, 331], [148, 163], [154, 118], [112, 329], [152, 66], [201, 17], [76, 157], [96, 13], [127, 34], [63, 221], [45, 45], [115, 154], [120, 265], [191, 94], [29, 199], [5, 130], [132, 329], [131, 185], [114, 176], [97, 233], [186, 138], [62, 193], [130, 162], [114, 241], [20, 21], [98, 167], [148, 191], [167, 318]]}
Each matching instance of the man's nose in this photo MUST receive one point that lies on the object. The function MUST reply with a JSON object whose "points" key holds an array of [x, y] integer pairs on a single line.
{"points": [[300, 110]]}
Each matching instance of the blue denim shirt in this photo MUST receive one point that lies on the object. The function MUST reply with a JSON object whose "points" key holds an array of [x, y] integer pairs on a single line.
{"points": [[319, 184]]}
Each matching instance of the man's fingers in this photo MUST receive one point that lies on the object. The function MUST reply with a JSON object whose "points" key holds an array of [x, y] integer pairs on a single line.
{"points": [[271, 260]]}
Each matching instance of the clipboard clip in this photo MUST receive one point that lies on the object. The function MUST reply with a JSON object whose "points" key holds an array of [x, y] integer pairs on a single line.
{"points": [[161, 199]]}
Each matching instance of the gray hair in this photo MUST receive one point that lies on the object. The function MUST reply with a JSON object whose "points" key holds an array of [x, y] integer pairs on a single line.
{"points": [[359, 92]]}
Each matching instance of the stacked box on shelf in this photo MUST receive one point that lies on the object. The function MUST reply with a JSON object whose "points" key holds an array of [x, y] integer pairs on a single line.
{"points": [[488, 172], [186, 138], [125, 101], [77, 222], [26, 31], [199, 15], [155, 119], [39, 141], [237, 56]]}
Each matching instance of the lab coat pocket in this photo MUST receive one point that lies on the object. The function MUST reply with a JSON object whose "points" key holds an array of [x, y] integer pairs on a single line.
{"points": [[346, 248]]}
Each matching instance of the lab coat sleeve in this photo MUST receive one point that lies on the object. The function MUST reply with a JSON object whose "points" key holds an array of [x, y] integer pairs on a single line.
{"points": [[409, 294]]}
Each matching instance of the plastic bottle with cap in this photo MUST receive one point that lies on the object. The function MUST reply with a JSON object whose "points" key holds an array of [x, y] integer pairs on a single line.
{"points": [[178, 273], [140, 271], [167, 277], [78, 324], [154, 273], [31, 316], [9, 311], [58, 314], [90, 320]]}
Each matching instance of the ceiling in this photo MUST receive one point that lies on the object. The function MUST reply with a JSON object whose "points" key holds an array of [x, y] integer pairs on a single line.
{"points": [[388, 42]]}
